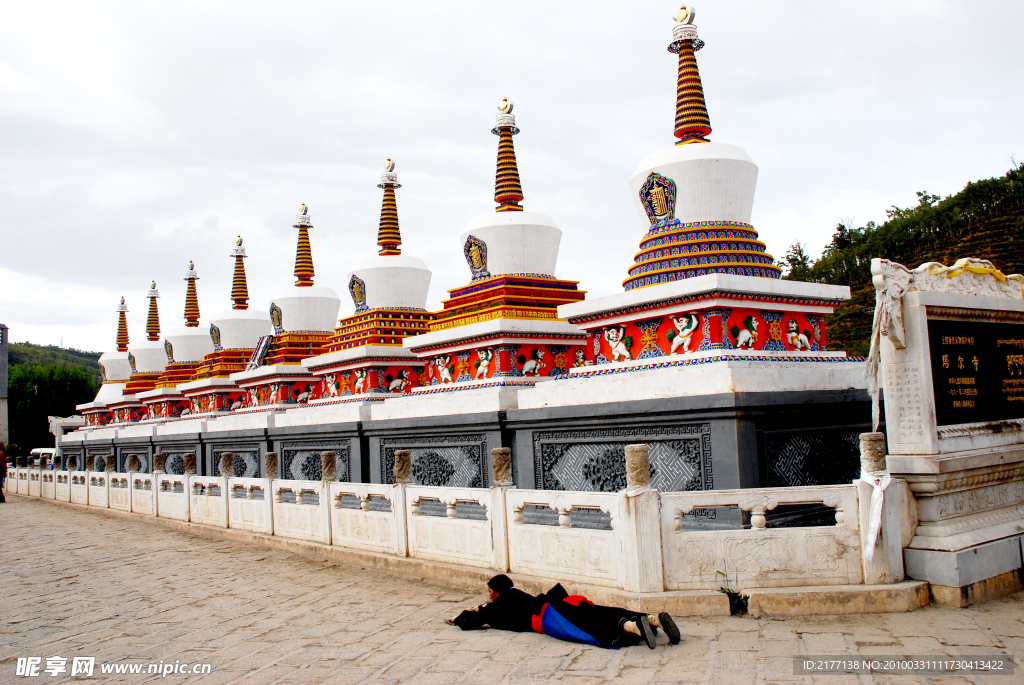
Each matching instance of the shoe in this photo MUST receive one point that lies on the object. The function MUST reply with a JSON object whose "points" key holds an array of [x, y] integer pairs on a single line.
{"points": [[646, 630], [670, 627]]}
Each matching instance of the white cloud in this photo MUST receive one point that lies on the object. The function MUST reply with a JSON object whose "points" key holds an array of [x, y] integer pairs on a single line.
{"points": [[139, 136]]}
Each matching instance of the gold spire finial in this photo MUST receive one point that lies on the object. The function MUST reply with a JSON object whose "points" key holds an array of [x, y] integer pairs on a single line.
{"points": [[191, 299], [303, 252], [692, 123], [153, 319], [239, 288], [122, 327], [508, 192], [388, 235]]}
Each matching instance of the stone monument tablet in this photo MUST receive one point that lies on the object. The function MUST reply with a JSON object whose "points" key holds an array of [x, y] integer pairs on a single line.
{"points": [[977, 370]]}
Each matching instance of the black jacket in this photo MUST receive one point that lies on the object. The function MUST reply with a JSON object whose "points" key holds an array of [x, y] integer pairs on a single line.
{"points": [[512, 610]]}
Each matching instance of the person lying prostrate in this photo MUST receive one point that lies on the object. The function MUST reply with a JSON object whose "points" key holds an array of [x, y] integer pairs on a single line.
{"points": [[508, 609], [573, 618]]}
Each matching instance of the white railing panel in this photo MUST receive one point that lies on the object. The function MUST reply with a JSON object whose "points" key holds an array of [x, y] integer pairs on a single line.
{"points": [[47, 487], [208, 500], [34, 481], [760, 556], [302, 510], [172, 497], [98, 496], [449, 538], [583, 555], [367, 528], [251, 505], [22, 482], [80, 487], [120, 493], [62, 486], [143, 496], [11, 482]]}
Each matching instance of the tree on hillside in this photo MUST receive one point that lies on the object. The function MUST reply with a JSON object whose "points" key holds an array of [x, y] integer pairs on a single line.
{"points": [[797, 264], [36, 392], [27, 354], [984, 220]]}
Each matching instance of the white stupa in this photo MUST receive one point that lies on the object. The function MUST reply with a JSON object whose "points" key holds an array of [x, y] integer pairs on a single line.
{"points": [[188, 343], [149, 356], [304, 306]]}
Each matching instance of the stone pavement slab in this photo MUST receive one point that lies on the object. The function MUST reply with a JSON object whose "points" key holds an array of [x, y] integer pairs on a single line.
{"points": [[78, 583]]}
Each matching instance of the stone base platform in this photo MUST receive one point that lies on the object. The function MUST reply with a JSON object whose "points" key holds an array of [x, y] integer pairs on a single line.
{"points": [[795, 601], [982, 591], [837, 599]]}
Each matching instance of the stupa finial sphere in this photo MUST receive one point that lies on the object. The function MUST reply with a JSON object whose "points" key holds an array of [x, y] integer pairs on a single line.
{"points": [[505, 106], [303, 210], [238, 241], [389, 164]]}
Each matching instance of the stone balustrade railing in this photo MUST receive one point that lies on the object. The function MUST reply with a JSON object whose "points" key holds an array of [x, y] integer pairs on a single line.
{"points": [[637, 540], [767, 557]]}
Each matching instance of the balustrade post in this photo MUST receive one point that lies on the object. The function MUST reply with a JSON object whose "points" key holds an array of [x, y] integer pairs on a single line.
{"points": [[640, 524], [227, 464], [328, 467], [270, 465], [882, 555], [501, 481], [403, 479]]}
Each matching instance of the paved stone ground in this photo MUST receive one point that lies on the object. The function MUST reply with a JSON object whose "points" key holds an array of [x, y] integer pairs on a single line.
{"points": [[83, 584]]}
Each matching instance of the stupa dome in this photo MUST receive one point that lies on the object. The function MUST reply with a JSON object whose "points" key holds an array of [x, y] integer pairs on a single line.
{"points": [[115, 365], [241, 328], [307, 308], [714, 181], [393, 281], [149, 355], [517, 242]]}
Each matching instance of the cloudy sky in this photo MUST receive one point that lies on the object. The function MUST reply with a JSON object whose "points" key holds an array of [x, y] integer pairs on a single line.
{"points": [[137, 136]]}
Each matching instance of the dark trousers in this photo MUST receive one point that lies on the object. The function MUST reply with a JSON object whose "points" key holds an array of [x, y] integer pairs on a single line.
{"points": [[603, 623]]}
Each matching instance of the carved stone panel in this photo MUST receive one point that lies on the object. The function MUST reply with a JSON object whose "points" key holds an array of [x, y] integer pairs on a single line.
{"points": [[246, 463], [174, 457], [799, 458], [301, 460], [443, 460], [124, 454], [595, 460]]}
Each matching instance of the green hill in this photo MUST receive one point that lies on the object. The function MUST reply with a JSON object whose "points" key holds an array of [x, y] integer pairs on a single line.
{"points": [[27, 354], [984, 220]]}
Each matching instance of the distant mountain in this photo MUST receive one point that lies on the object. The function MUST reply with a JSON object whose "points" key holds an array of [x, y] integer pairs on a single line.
{"points": [[984, 220], [24, 354]]}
